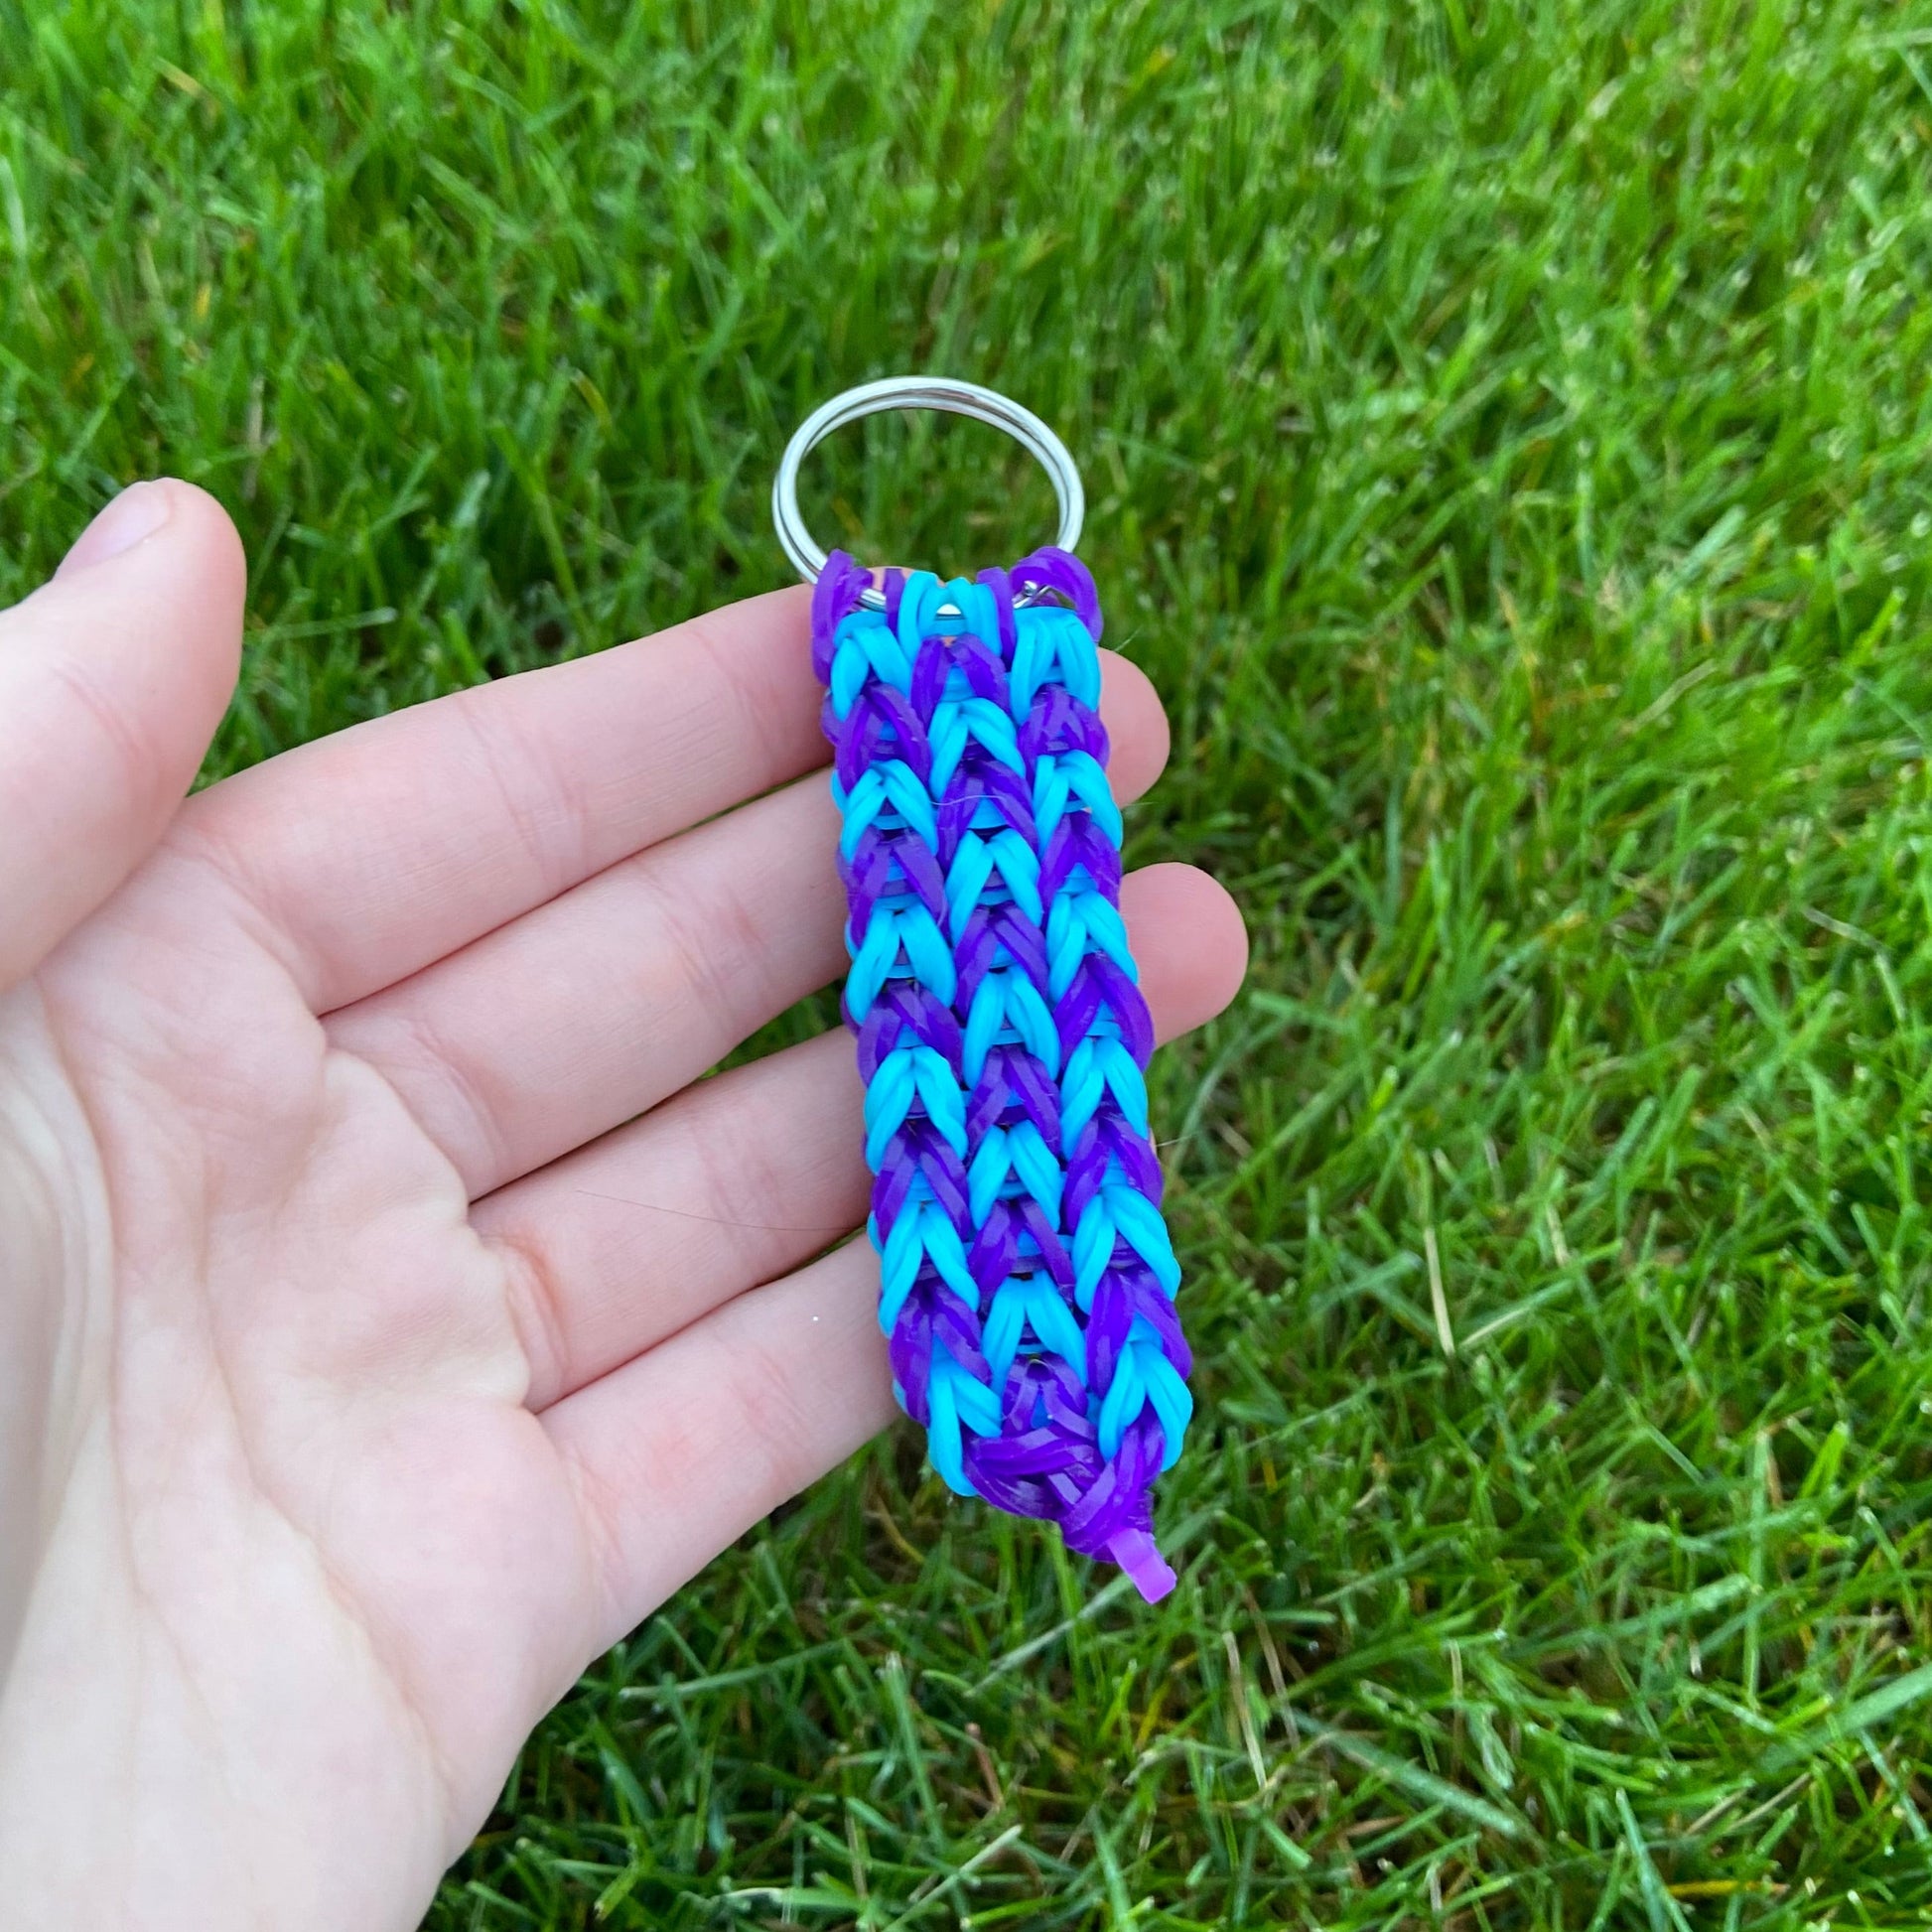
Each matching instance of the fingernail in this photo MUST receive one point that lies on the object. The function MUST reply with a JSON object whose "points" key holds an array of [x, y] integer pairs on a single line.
{"points": [[138, 511]]}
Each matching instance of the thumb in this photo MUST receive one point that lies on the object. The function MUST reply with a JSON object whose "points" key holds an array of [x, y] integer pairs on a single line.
{"points": [[112, 679]]}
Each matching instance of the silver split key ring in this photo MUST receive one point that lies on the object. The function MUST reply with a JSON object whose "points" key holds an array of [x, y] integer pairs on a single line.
{"points": [[918, 392]]}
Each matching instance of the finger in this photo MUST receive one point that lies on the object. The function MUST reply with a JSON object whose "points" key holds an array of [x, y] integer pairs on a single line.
{"points": [[555, 1028], [383, 848], [112, 679], [1137, 727], [680, 1452], [744, 1176]]}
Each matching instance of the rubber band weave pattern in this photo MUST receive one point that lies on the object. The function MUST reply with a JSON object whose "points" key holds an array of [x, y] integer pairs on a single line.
{"points": [[1027, 1279]]}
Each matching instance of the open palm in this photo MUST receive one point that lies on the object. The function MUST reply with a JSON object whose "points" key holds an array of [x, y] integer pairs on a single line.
{"points": [[391, 1315]]}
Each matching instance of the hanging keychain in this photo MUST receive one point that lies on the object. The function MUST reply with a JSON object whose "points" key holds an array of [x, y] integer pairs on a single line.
{"points": [[1027, 1279]]}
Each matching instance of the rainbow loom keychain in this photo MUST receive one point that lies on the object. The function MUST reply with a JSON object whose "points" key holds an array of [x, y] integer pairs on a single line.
{"points": [[1026, 1280]]}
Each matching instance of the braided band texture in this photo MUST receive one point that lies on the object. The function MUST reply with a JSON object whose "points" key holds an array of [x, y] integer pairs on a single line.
{"points": [[1027, 1279]]}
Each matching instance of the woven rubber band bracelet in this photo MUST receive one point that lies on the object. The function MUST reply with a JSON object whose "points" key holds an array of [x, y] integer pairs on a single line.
{"points": [[1027, 1279]]}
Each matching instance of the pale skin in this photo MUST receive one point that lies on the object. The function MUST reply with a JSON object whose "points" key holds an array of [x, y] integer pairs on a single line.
{"points": [[387, 1322]]}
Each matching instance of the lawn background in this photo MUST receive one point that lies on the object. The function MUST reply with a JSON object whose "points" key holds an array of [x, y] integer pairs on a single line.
{"points": [[1510, 452]]}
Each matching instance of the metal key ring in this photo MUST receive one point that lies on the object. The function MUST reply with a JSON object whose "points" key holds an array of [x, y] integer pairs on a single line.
{"points": [[918, 392]]}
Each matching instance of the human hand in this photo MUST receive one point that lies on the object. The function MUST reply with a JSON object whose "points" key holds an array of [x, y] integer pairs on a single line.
{"points": [[362, 1372]]}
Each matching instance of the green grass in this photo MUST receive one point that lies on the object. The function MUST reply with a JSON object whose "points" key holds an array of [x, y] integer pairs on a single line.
{"points": [[1510, 450]]}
